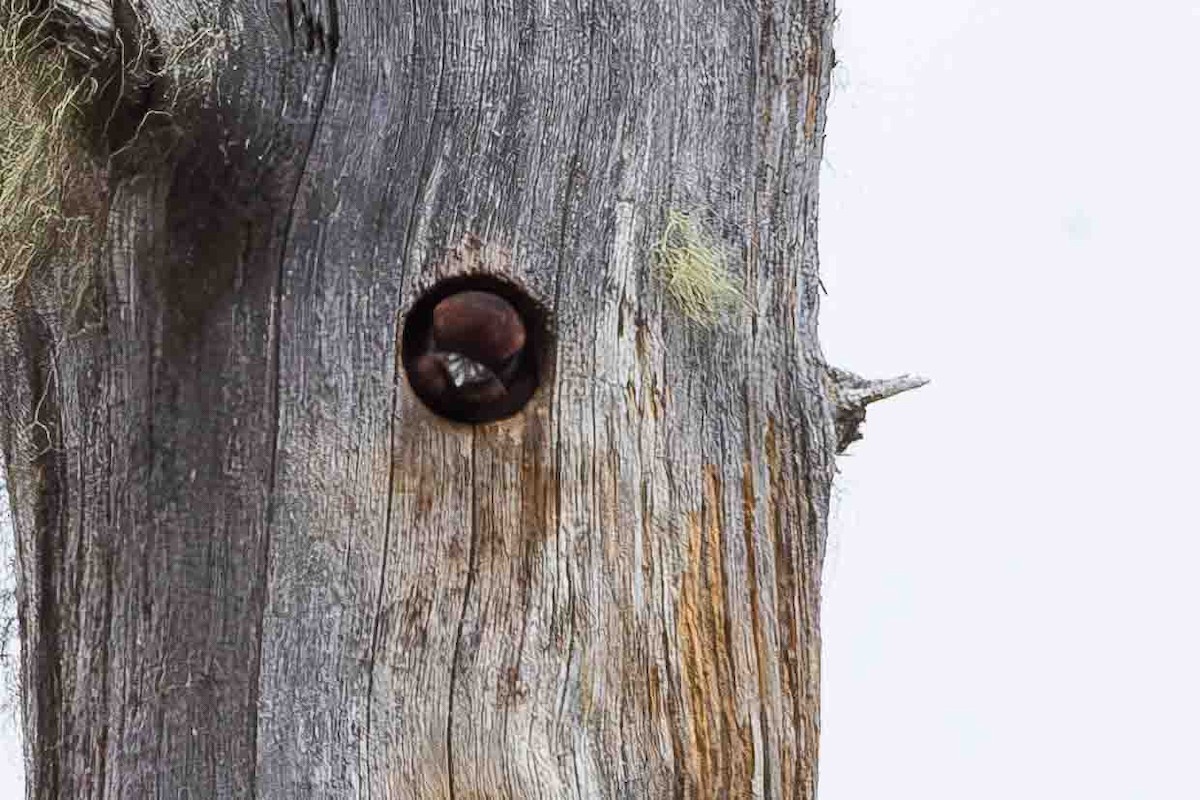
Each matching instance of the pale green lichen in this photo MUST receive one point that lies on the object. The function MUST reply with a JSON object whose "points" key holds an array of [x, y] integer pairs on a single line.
{"points": [[694, 270]]}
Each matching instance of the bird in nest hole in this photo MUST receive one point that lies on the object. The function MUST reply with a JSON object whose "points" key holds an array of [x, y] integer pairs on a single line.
{"points": [[471, 364]]}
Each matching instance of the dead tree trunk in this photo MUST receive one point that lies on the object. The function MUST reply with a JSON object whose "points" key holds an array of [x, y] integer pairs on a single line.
{"points": [[254, 563]]}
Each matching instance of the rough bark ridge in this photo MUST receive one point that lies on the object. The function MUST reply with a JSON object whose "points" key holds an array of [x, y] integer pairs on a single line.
{"points": [[253, 565]]}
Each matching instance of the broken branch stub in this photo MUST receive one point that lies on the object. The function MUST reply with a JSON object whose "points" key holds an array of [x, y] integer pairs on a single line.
{"points": [[852, 394]]}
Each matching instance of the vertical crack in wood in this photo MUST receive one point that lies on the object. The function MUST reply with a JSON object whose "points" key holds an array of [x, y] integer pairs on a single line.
{"points": [[410, 226], [334, 36], [749, 513], [102, 736], [320, 32], [46, 471], [472, 566], [564, 221], [811, 544], [263, 587], [376, 622]]}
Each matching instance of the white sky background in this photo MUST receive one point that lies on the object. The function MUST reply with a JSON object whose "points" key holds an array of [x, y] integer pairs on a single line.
{"points": [[1008, 208]]}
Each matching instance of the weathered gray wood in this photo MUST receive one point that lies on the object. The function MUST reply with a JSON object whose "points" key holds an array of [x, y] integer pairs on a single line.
{"points": [[853, 393], [254, 565]]}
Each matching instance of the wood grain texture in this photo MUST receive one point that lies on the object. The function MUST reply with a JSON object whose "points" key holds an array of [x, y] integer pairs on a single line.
{"points": [[254, 565]]}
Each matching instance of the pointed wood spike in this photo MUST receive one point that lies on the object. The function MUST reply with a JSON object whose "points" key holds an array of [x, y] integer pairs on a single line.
{"points": [[855, 391], [852, 394]]}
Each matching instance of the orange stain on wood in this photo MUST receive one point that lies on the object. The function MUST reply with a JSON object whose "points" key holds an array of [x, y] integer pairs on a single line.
{"points": [[795, 603], [778, 498], [719, 757], [762, 658], [812, 83]]}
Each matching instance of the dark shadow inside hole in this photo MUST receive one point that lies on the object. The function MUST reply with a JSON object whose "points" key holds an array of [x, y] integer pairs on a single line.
{"points": [[521, 376]]}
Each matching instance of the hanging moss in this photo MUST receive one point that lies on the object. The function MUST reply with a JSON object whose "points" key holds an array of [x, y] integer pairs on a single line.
{"points": [[63, 119], [47, 174]]}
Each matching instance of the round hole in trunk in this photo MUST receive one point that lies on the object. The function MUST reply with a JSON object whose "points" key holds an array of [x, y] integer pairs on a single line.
{"points": [[473, 348]]}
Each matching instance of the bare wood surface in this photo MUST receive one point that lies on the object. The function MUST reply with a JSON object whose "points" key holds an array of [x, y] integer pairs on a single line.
{"points": [[255, 565]]}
